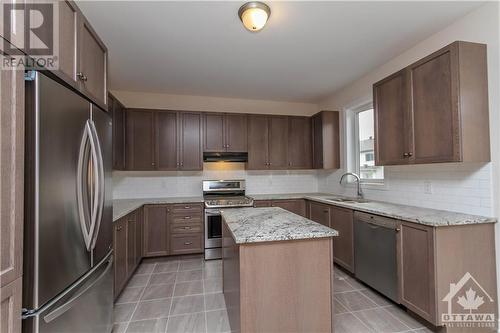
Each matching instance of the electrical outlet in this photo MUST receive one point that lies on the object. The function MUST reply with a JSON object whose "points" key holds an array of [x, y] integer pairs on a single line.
{"points": [[427, 187]]}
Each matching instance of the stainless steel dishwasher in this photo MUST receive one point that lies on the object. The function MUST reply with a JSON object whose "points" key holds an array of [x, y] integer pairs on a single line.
{"points": [[375, 262]]}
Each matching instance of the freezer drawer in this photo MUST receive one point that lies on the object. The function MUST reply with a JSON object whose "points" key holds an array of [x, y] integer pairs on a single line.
{"points": [[86, 306]]}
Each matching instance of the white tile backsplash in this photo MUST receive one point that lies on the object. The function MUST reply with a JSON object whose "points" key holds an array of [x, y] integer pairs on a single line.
{"points": [[461, 187], [135, 184]]}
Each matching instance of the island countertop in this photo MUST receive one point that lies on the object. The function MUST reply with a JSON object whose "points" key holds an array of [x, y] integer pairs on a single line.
{"points": [[254, 225]]}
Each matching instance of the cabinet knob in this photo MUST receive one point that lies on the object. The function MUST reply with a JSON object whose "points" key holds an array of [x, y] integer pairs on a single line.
{"points": [[153, 163], [188, 243], [409, 154], [398, 229], [82, 76], [119, 228]]}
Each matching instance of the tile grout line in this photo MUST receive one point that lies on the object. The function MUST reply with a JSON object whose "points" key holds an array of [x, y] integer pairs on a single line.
{"points": [[172, 298], [137, 304]]}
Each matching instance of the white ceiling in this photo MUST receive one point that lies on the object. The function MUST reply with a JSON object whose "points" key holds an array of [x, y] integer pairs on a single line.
{"points": [[307, 50]]}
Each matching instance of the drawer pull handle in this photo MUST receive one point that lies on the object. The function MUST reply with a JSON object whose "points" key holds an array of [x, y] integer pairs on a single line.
{"points": [[188, 243], [187, 207], [187, 217], [119, 228], [325, 211], [187, 228]]}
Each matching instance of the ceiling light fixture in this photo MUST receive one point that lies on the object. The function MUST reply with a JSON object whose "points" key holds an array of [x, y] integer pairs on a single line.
{"points": [[254, 15]]}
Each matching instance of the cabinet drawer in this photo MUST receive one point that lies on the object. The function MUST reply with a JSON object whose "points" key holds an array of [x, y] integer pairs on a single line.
{"points": [[187, 207], [186, 228], [186, 243], [189, 218]]}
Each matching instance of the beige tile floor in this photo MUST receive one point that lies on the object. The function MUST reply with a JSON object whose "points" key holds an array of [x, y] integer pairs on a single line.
{"points": [[184, 294]]}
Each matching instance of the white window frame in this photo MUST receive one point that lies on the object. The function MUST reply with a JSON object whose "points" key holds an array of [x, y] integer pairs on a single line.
{"points": [[355, 145]]}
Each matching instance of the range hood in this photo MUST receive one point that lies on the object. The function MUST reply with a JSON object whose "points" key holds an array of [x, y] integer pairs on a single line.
{"points": [[225, 157]]}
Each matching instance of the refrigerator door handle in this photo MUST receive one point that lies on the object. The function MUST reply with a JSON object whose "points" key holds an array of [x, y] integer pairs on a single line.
{"points": [[98, 204], [69, 304], [83, 203]]}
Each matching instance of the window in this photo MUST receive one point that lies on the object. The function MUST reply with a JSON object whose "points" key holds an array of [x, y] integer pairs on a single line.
{"points": [[365, 155]]}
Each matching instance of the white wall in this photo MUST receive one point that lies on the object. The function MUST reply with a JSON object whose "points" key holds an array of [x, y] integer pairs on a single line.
{"points": [[470, 188], [135, 184], [205, 103]]}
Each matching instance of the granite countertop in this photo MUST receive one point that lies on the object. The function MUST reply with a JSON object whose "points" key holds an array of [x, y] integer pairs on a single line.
{"points": [[122, 207], [425, 216], [254, 225]]}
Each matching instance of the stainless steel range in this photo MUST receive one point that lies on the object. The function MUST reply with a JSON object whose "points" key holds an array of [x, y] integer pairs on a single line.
{"points": [[220, 194]]}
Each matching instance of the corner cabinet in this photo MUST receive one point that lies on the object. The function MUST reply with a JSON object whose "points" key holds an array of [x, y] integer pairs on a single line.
{"points": [[156, 230], [435, 110], [326, 140]]}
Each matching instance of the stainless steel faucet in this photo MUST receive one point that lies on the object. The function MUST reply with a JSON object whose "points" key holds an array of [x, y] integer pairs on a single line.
{"points": [[358, 181]]}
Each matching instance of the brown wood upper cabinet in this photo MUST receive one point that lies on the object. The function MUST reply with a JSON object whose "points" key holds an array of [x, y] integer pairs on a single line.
{"points": [[118, 113], [140, 140], [224, 132], [279, 142], [435, 110], [190, 141], [163, 140], [326, 140], [299, 143]]}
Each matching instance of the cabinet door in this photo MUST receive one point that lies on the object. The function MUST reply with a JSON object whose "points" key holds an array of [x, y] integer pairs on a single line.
{"points": [[155, 230], [416, 255], [68, 42], [11, 173], [191, 151], [93, 64], [299, 143], [392, 122], [278, 142], [319, 213], [297, 206], [139, 233], [166, 140], [214, 132], [139, 140], [258, 142], [118, 113], [317, 137], [262, 203], [236, 132], [120, 254], [131, 244], [436, 130], [10, 306], [343, 245]]}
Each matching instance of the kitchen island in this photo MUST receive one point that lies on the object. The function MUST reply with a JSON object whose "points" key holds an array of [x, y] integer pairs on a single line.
{"points": [[277, 271]]}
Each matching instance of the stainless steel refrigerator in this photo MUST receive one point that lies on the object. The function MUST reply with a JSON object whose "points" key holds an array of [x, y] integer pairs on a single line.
{"points": [[67, 278]]}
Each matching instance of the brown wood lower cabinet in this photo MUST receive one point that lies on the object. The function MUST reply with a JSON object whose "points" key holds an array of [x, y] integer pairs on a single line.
{"points": [[10, 306], [342, 220], [265, 293], [431, 258], [297, 206], [320, 213], [120, 254], [156, 230]]}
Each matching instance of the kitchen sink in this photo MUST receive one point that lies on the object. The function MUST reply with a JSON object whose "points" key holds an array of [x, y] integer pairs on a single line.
{"points": [[348, 200]]}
